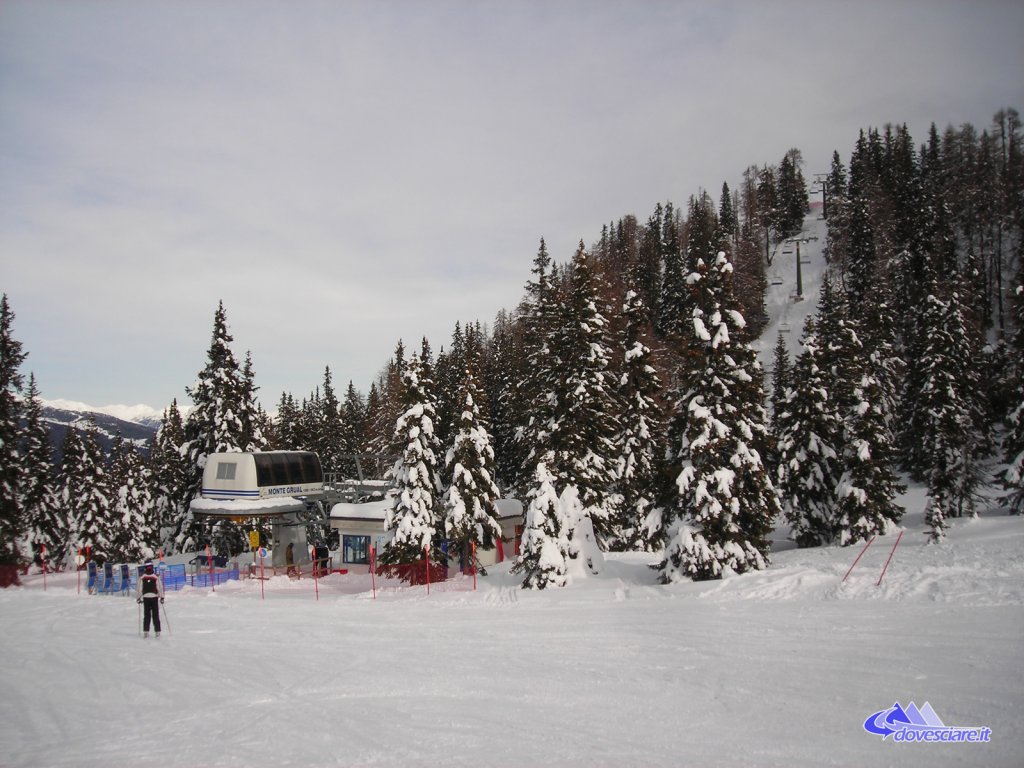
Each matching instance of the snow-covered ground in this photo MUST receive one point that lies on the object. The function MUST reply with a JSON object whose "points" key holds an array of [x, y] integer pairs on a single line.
{"points": [[774, 668]]}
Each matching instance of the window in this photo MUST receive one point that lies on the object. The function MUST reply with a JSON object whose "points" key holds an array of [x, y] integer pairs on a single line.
{"points": [[226, 470], [356, 549]]}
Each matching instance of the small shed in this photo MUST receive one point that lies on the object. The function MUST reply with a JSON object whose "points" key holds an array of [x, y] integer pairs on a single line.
{"points": [[361, 526]]}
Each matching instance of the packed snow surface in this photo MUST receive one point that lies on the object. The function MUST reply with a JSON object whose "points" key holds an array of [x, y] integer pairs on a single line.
{"points": [[779, 667]]}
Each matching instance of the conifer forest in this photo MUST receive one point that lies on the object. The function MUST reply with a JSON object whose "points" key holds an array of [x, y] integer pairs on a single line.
{"points": [[622, 400]]}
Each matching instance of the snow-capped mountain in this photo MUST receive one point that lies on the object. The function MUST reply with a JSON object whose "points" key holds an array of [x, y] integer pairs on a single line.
{"points": [[137, 423], [137, 414]]}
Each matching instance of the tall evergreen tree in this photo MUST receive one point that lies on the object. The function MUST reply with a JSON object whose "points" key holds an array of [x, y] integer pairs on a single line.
{"points": [[220, 421], [782, 380], [809, 439], [584, 422], [85, 491], [948, 401], [722, 484], [172, 477], [1013, 446], [415, 515], [541, 316], [44, 524], [649, 267], [470, 513], [331, 443], [672, 304], [866, 492], [353, 421], [640, 442], [133, 507], [12, 518], [547, 544]]}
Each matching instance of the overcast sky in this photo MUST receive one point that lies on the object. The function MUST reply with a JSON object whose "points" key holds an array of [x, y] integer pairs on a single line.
{"points": [[345, 174]]}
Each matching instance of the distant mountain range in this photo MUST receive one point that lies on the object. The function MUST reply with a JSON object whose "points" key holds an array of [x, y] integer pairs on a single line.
{"points": [[137, 423]]}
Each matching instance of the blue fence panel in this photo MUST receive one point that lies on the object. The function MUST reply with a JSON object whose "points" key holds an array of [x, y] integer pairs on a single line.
{"points": [[174, 577], [202, 578]]}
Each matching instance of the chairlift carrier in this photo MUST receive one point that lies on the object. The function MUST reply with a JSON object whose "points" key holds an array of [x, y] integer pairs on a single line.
{"points": [[262, 475]]}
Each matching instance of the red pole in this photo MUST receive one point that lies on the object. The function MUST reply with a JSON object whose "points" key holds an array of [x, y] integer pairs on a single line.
{"points": [[78, 567], [209, 559], [426, 559], [474, 566], [860, 555], [263, 595], [43, 556], [373, 570], [891, 553]]}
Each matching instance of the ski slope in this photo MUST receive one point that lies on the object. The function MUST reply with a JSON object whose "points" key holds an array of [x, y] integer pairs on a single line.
{"points": [[785, 307], [777, 668]]}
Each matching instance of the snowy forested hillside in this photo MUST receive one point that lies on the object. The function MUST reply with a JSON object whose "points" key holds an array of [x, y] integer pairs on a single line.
{"points": [[625, 400]]}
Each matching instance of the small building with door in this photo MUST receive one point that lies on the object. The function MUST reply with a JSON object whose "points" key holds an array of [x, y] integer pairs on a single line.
{"points": [[361, 526]]}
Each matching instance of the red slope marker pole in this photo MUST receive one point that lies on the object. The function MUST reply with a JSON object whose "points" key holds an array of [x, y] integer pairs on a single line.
{"points": [[860, 556], [891, 553], [426, 560]]}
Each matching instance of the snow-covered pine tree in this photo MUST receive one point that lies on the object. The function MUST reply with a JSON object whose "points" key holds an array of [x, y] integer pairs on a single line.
{"points": [[505, 361], [584, 417], [647, 274], [12, 518], [723, 486], [251, 416], [353, 422], [45, 526], [867, 489], [947, 398], [221, 420], [171, 477], [415, 514], [547, 536], [66, 487], [673, 306], [1013, 446], [641, 438], [331, 443], [470, 513], [134, 509], [540, 311], [85, 493], [782, 379], [810, 430]]}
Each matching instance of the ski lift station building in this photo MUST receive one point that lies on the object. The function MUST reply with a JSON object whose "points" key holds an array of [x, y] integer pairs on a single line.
{"points": [[361, 526], [287, 488]]}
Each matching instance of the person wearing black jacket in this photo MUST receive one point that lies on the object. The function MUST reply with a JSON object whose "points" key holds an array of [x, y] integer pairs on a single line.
{"points": [[149, 590]]}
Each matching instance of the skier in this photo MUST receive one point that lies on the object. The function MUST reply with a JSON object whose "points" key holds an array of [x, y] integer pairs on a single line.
{"points": [[150, 589]]}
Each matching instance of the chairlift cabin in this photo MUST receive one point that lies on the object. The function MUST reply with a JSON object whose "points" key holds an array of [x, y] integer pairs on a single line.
{"points": [[262, 475]]}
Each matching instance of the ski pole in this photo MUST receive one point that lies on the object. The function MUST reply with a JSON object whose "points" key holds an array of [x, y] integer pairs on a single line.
{"points": [[860, 556], [891, 553], [166, 617]]}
